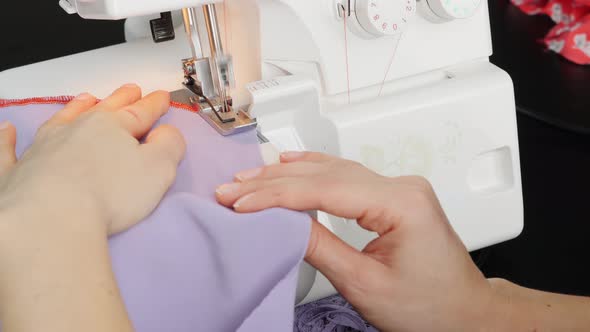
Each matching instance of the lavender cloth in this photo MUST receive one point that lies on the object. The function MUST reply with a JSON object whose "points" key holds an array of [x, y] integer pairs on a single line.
{"points": [[194, 265], [332, 314]]}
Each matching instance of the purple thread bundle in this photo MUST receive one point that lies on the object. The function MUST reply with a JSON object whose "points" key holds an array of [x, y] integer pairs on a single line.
{"points": [[331, 314]]}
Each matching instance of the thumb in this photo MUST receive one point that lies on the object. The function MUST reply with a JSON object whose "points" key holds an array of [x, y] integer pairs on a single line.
{"points": [[342, 264], [7, 146]]}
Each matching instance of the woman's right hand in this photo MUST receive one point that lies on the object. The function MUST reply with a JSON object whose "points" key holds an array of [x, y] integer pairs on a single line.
{"points": [[416, 276]]}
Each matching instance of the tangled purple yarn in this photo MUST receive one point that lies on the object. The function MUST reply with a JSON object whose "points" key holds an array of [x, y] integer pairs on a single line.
{"points": [[332, 314]]}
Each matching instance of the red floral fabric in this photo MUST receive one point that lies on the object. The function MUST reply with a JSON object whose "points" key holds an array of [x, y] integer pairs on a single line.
{"points": [[570, 37]]}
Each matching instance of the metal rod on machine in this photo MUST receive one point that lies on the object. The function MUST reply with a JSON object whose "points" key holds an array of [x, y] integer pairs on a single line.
{"points": [[216, 47], [213, 30], [191, 28]]}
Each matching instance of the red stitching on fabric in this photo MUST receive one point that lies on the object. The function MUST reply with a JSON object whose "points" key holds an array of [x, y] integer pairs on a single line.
{"points": [[67, 99], [37, 100]]}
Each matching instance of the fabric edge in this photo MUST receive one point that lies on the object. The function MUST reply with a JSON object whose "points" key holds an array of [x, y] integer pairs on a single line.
{"points": [[295, 270], [66, 99]]}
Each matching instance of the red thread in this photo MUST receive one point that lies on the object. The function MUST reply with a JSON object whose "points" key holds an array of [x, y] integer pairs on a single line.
{"points": [[38, 100], [66, 99], [389, 66]]}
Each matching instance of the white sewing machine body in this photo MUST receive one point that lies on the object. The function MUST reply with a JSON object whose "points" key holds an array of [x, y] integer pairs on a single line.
{"points": [[444, 111]]}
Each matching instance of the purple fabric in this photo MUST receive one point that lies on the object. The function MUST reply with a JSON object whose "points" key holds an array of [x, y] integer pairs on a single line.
{"points": [[332, 314], [194, 265]]}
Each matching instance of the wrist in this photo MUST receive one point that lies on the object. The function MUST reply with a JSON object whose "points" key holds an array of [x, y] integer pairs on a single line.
{"points": [[35, 240], [510, 309], [29, 224], [61, 206], [486, 309], [52, 263], [480, 311]]}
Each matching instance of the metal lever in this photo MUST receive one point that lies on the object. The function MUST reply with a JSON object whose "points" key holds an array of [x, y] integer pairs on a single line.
{"points": [[344, 8], [221, 64]]}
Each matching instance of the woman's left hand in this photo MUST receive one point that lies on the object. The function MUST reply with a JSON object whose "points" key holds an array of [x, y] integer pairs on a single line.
{"points": [[85, 176], [87, 160]]}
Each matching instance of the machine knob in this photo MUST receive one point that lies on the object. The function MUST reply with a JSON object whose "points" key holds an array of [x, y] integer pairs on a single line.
{"points": [[446, 10], [381, 18]]}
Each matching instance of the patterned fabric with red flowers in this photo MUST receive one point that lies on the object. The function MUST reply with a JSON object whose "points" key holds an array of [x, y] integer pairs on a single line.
{"points": [[570, 37]]}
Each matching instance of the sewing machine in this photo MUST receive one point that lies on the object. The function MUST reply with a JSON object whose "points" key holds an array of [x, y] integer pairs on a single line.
{"points": [[401, 86]]}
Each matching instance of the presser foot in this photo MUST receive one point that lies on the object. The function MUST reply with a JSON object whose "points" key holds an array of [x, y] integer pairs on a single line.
{"points": [[221, 116], [226, 123], [244, 122]]}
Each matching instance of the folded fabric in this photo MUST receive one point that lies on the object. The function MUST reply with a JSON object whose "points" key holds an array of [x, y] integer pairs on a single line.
{"points": [[194, 265], [571, 36], [332, 314]]}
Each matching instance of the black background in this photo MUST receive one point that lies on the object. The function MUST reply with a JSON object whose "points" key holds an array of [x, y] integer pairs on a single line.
{"points": [[37, 30], [553, 99]]}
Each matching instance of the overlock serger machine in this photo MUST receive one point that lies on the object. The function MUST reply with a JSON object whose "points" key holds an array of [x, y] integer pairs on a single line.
{"points": [[402, 86]]}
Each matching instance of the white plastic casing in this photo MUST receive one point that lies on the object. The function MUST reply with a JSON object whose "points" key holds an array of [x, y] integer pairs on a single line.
{"points": [[119, 9], [453, 9], [306, 36]]}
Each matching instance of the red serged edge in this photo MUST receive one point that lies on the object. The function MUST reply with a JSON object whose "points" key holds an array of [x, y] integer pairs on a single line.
{"points": [[67, 99]]}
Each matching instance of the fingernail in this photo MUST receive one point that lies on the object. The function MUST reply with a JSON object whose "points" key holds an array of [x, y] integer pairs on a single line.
{"points": [[292, 154], [130, 85], [84, 96], [4, 125], [249, 174], [242, 200], [227, 189]]}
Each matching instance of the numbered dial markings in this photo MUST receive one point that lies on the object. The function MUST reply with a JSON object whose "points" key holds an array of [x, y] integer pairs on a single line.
{"points": [[384, 17]]}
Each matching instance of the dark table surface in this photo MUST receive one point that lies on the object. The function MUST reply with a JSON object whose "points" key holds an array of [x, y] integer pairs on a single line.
{"points": [[553, 252], [554, 249], [553, 99]]}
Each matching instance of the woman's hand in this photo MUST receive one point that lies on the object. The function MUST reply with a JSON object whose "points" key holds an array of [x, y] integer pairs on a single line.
{"points": [[85, 176], [416, 276], [87, 160]]}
